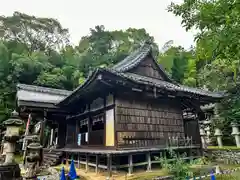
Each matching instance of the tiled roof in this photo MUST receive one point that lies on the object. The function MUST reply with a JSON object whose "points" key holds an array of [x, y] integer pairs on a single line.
{"points": [[137, 57], [56, 96], [122, 69], [40, 94], [167, 85], [133, 59]]}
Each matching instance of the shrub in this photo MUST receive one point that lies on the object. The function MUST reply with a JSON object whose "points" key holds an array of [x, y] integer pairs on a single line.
{"points": [[176, 165]]}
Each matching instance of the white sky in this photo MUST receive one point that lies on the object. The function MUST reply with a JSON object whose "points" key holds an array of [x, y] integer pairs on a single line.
{"points": [[80, 15]]}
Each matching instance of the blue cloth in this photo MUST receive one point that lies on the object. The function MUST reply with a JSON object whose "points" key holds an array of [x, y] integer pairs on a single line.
{"points": [[72, 172], [62, 175], [212, 176]]}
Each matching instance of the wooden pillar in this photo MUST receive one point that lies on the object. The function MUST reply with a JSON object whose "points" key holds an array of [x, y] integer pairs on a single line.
{"points": [[62, 129], [67, 163], [161, 154], [78, 161], [87, 161], [191, 154], [51, 137], [109, 165], [97, 163], [149, 165], [130, 164]]}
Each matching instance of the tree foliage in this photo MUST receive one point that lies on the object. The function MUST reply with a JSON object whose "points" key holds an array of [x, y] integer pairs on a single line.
{"points": [[217, 47], [34, 33], [35, 50]]}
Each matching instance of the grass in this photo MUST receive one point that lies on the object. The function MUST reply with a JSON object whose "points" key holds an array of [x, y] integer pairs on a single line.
{"points": [[19, 159], [148, 175], [138, 175], [224, 148], [234, 176]]}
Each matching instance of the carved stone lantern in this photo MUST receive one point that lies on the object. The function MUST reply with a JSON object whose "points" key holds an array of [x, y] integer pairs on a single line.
{"points": [[235, 133], [10, 169], [218, 134], [203, 138], [33, 159]]}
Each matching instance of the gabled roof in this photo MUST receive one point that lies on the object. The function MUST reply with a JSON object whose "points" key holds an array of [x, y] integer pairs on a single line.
{"points": [[121, 71], [136, 57], [41, 96]]}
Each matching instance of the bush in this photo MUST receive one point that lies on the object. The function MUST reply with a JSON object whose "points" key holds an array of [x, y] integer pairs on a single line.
{"points": [[176, 166]]}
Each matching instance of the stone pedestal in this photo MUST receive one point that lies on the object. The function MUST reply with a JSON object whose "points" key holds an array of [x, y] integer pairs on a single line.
{"points": [[33, 159], [235, 133], [218, 134], [203, 138], [10, 172]]}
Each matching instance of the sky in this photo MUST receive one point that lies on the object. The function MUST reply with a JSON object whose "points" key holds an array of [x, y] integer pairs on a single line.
{"points": [[81, 15]]}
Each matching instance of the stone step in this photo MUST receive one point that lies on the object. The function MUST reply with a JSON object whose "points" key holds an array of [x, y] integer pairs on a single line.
{"points": [[51, 157]]}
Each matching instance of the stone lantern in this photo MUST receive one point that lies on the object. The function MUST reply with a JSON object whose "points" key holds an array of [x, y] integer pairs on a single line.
{"points": [[203, 138], [235, 133], [218, 134], [10, 169], [33, 159]]}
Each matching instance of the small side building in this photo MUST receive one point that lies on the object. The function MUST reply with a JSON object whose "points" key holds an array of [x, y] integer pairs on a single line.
{"points": [[125, 115]]}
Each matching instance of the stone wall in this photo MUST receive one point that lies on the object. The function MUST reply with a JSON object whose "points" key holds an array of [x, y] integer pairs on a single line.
{"points": [[226, 156]]}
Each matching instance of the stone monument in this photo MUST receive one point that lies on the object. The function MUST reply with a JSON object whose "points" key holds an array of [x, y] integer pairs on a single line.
{"points": [[33, 158], [235, 133], [203, 138], [10, 170], [218, 134]]}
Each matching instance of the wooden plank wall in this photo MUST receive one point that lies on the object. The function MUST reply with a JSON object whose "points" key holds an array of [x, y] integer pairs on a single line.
{"points": [[141, 123], [147, 68]]}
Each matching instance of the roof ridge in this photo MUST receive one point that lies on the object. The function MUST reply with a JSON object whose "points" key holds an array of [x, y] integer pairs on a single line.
{"points": [[43, 89], [133, 58]]}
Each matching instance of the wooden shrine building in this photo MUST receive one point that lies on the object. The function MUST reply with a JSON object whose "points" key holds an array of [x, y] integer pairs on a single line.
{"points": [[131, 109]]}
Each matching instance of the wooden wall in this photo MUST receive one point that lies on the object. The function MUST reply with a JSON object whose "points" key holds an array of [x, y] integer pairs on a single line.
{"points": [[148, 68], [144, 123]]}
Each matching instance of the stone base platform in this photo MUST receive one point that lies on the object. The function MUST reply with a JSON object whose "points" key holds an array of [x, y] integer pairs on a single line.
{"points": [[10, 172]]}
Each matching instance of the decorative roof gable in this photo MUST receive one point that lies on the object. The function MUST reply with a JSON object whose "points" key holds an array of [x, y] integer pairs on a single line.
{"points": [[142, 62]]}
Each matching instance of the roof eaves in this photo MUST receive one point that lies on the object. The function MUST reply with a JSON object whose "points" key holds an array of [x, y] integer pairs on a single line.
{"points": [[167, 85], [43, 89], [88, 80]]}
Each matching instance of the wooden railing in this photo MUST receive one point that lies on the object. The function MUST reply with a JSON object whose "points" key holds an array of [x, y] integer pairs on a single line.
{"points": [[131, 142], [182, 141]]}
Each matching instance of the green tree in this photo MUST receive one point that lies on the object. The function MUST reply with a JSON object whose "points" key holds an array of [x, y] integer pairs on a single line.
{"points": [[34, 32], [217, 46]]}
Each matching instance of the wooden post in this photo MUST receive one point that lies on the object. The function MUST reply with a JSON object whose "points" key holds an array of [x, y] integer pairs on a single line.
{"points": [[149, 165], [109, 165], [161, 154], [87, 161], [130, 164], [67, 159], [97, 162], [51, 137], [78, 161]]}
